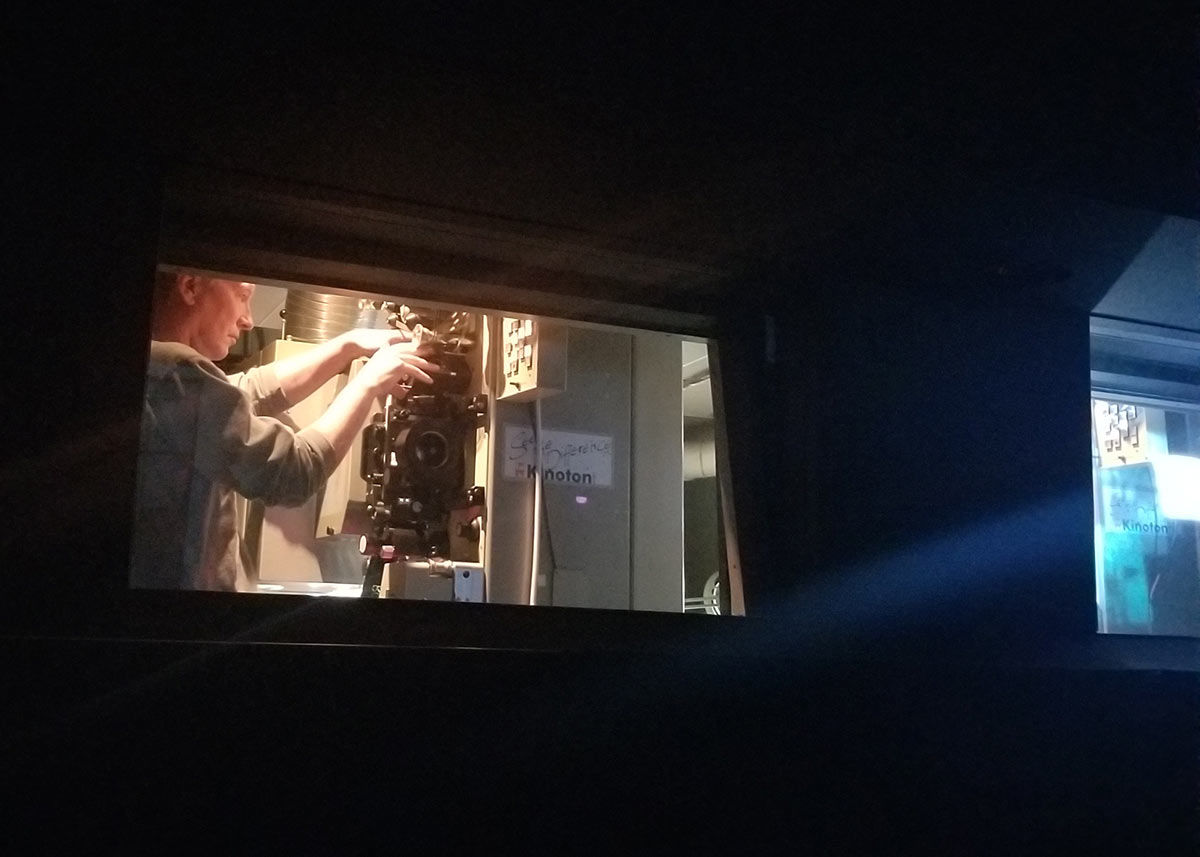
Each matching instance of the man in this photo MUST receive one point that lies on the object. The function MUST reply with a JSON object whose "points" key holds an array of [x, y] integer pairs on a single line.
{"points": [[206, 435]]}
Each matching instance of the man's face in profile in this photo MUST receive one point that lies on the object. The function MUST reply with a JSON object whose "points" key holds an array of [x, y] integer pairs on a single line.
{"points": [[222, 310]]}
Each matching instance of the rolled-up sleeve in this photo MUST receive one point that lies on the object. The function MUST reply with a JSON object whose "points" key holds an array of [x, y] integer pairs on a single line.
{"points": [[261, 385]]}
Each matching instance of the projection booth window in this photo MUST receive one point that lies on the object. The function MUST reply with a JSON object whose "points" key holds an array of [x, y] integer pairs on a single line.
{"points": [[552, 462]]}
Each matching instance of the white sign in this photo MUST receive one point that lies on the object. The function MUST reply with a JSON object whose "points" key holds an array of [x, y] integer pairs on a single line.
{"points": [[568, 458]]}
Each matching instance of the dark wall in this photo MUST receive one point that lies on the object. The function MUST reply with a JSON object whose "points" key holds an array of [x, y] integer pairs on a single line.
{"points": [[946, 445], [449, 750]]}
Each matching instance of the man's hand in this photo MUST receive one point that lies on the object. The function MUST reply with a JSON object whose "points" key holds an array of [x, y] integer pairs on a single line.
{"points": [[363, 342]]}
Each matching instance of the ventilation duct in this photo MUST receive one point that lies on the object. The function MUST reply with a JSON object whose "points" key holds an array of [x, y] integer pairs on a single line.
{"points": [[317, 317]]}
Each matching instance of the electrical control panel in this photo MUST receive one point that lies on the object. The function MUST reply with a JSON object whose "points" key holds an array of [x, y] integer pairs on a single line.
{"points": [[533, 358]]}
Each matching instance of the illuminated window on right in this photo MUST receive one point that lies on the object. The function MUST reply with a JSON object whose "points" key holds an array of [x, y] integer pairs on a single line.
{"points": [[1146, 471], [1145, 420]]}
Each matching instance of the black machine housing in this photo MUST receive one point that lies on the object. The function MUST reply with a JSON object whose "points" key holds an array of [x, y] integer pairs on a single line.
{"points": [[413, 461]]}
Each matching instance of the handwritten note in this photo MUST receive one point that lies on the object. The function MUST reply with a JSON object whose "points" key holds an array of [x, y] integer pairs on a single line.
{"points": [[568, 458]]}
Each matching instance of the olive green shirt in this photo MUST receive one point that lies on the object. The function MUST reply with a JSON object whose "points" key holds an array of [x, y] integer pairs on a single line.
{"points": [[204, 437]]}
